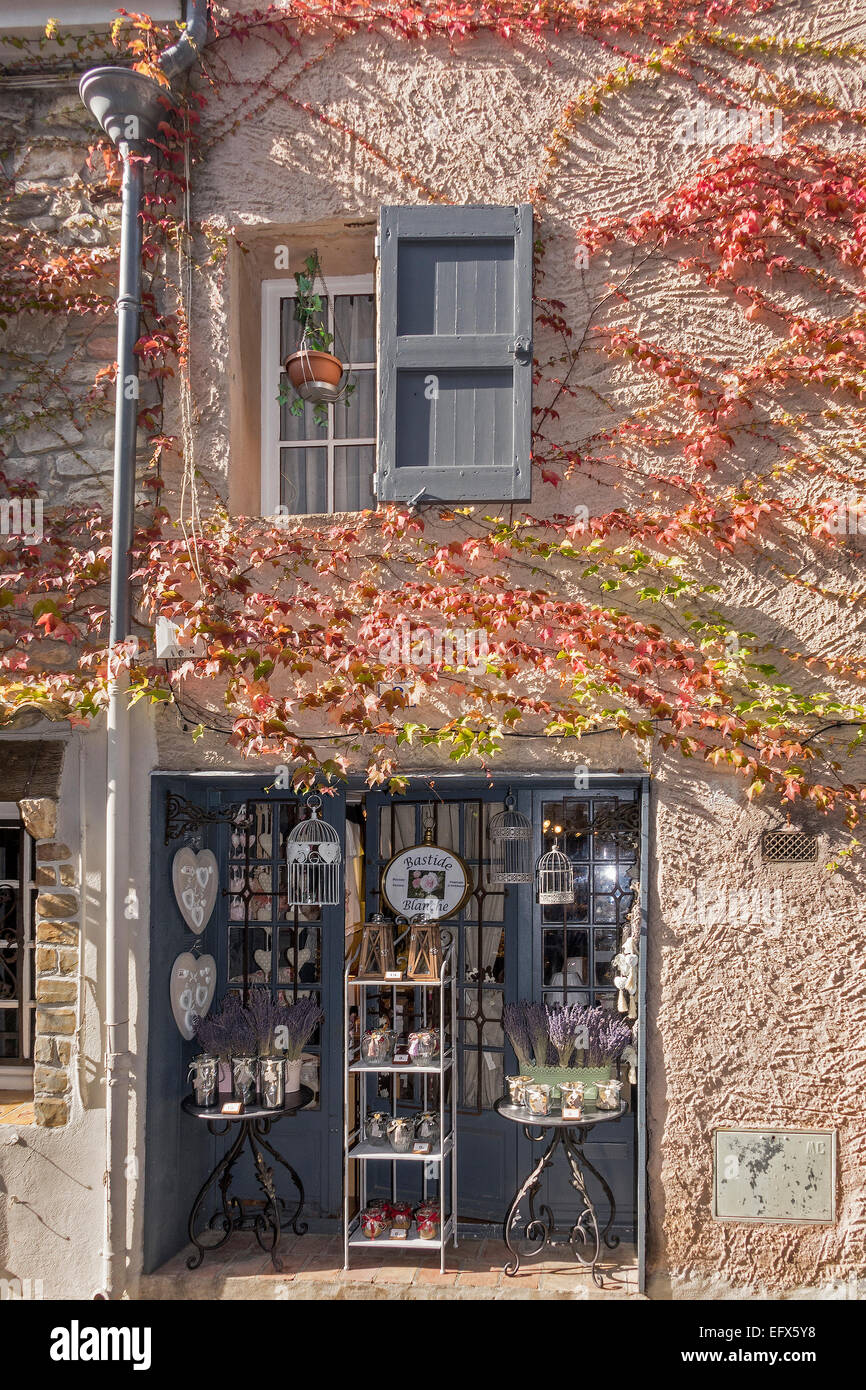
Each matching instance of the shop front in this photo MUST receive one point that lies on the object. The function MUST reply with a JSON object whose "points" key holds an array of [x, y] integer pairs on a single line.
{"points": [[506, 947]]}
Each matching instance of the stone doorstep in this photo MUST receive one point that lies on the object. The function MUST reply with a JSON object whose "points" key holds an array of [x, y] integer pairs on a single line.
{"points": [[313, 1269]]}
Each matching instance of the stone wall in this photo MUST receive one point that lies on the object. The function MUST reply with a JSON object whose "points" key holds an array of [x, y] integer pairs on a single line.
{"points": [[57, 965], [54, 432]]}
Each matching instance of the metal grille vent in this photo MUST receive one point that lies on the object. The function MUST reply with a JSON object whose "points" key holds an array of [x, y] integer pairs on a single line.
{"points": [[788, 847]]}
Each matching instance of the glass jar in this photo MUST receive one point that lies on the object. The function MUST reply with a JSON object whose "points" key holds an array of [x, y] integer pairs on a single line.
{"points": [[609, 1095], [374, 1222], [516, 1088], [204, 1071], [424, 1045], [427, 1222], [401, 1215], [401, 1133], [376, 1129], [427, 1128], [537, 1098], [571, 1093], [244, 1072], [377, 1045]]}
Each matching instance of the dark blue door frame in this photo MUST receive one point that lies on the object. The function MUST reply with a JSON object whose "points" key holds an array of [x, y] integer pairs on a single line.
{"points": [[177, 1153]]}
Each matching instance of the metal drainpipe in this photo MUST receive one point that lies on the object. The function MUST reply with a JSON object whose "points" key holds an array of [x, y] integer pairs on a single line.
{"points": [[128, 105]]}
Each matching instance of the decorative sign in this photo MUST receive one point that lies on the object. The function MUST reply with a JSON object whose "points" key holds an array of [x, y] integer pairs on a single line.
{"points": [[426, 881], [422, 1146], [194, 879], [775, 1175], [232, 1107], [191, 988]]}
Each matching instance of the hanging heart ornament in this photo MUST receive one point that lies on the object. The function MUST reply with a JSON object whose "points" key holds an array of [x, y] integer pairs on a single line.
{"points": [[191, 989], [195, 880]]}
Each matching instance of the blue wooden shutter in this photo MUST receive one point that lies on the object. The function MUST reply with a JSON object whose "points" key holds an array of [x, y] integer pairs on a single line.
{"points": [[455, 353]]}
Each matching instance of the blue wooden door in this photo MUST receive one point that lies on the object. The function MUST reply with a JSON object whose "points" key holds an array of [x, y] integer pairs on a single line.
{"points": [[292, 953], [573, 947], [258, 943]]}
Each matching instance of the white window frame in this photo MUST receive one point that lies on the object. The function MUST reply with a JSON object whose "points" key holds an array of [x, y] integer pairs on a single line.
{"points": [[16, 1074], [272, 292]]}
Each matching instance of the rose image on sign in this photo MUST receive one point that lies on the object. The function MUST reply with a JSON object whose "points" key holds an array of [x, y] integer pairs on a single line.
{"points": [[427, 885]]}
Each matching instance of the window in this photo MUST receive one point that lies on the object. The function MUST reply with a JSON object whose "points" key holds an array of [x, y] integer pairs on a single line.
{"points": [[305, 467], [17, 903], [455, 343]]}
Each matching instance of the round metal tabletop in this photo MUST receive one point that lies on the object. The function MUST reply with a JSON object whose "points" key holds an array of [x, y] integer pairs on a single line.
{"points": [[293, 1103], [522, 1116]]}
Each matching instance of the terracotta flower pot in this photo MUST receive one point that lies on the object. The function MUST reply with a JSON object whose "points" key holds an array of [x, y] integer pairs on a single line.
{"points": [[316, 376]]}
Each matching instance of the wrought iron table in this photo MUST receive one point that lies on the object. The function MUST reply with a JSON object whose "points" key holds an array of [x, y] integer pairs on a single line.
{"points": [[254, 1124], [538, 1229]]}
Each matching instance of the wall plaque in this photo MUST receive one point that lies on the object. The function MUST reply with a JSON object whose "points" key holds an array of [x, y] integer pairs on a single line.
{"points": [[774, 1175]]}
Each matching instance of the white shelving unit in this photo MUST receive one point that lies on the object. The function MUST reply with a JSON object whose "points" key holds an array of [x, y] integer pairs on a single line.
{"points": [[439, 1168]]}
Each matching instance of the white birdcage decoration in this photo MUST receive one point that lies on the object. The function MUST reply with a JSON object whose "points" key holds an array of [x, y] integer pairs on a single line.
{"points": [[510, 845], [554, 877], [313, 855]]}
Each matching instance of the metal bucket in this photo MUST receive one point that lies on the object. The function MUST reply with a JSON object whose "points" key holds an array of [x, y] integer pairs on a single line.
{"points": [[244, 1079], [204, 1072], [272, 1081]]}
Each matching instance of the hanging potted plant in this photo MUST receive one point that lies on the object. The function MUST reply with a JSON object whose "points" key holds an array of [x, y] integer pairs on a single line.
{"points": [[315, 373]]}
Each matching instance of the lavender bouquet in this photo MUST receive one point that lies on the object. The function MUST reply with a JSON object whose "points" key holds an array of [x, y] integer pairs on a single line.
{"points": [[603, 1035], [517, 1031], [227, 1031], [298, 1024], [266, 1017], [563, 1023]]}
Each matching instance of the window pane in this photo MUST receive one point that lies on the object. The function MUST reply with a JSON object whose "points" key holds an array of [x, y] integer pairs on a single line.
{"points": [[10, 844], [353, 478], [356, 418], [296, 427], [304, 480], [290, 329], [355, 327]]}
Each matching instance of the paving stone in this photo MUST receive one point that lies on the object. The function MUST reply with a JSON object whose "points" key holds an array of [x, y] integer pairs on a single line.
{"points": [[435, 1276], [478, 1278], [395, 1274]]}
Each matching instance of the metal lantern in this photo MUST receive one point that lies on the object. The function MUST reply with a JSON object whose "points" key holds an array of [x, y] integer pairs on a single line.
{"points": [[510, 845], [313, 855], [554, 878]]}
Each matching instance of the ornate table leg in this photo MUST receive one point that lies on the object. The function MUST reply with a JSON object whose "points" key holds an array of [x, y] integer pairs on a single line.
{"points": [[610, 1241], [587, 1218], [221, 1174], [299, 1227], [536, 1229], [269, 1224]]}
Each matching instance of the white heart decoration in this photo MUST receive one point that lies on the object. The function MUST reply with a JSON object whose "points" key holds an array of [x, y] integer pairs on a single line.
{"points": [[329, 853], [191, 989], [263, 960], [296, 852], [194, 879]]}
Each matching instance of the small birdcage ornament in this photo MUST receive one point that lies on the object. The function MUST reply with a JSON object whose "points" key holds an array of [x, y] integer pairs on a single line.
{"points": [[510, 845], [554, 876], [313, 855]]}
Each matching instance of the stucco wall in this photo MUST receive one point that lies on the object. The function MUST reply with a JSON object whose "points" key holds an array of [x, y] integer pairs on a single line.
{"points": [[755, 1015], [51, 1188]]}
